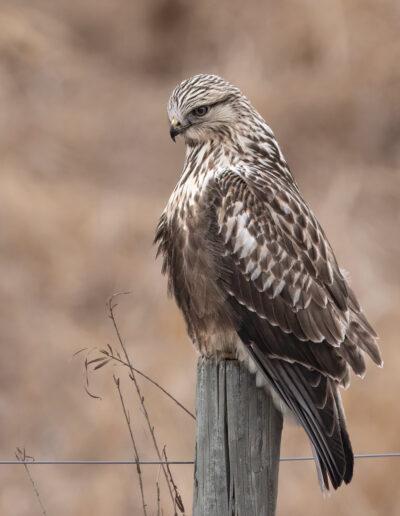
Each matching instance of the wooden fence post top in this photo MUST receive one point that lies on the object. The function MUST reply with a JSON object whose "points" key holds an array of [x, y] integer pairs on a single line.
{"points": [[237, 442]]}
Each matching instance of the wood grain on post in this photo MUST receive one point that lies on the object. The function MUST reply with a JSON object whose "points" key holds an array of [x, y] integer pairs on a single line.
{"points": [[237, 443]]}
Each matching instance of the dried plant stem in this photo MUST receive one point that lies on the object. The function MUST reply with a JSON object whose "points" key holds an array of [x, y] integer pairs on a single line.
{"points": [[135, 451], [110, 355], [22, 457], [132, 376], [158, 499], [159, 508], [178, 498]]}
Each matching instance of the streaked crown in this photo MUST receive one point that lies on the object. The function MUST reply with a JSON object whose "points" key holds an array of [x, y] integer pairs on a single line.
{"points": [[205, 106]]}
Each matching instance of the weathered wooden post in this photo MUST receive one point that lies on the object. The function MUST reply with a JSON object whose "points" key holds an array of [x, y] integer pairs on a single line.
{"points": [[237, 443]]}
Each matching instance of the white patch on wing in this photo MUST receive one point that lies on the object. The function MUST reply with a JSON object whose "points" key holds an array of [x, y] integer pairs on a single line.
{"points": [[242, 220], [238, 207], [278, 288], [248, 247], [296, 276], [268, 282], [264, 253], [246, 241], [285, 273], [250, 266], [255, 273], [296, 296], [230, 224]]}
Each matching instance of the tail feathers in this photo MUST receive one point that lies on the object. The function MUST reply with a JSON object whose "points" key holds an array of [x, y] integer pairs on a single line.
{"points": [[315, 401], [347, 448], [325, 473], [321, 471]]}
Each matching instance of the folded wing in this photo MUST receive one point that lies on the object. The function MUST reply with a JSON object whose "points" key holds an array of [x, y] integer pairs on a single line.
{"points": [[291, 306]]}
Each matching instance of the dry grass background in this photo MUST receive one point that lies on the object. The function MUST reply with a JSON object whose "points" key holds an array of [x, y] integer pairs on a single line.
{"points": [[86, 168]]}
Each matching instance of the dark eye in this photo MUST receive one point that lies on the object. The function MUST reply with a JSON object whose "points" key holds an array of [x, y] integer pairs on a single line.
{"points": [[200, 111]]}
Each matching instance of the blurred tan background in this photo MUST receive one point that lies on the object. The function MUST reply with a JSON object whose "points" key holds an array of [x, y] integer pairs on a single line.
{"points": [[87, 166]]}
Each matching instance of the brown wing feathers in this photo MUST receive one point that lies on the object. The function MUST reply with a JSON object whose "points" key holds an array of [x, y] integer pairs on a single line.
{"points": [[292, 308]]}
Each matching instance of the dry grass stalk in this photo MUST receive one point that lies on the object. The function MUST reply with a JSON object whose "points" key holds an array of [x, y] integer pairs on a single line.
{"points": [[24, 458], [158, 499], [111, 355], [135, 451], [111, 305], [178, 498]]}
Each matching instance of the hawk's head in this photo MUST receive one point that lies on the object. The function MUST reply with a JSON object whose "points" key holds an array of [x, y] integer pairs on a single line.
{"points": [[204, 107]]}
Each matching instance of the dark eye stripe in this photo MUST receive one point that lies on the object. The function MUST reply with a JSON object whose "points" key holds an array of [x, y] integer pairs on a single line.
{"points": [[209, 106]]}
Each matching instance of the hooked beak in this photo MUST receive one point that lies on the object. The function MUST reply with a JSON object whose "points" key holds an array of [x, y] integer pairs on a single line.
{"points": [[175, 128]]}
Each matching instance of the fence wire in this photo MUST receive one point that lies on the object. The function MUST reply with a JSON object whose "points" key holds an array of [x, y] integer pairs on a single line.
{"points": [[174, 462]]}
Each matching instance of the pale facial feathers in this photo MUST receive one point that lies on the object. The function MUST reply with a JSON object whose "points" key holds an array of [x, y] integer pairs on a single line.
{"points": [[224, 107]]}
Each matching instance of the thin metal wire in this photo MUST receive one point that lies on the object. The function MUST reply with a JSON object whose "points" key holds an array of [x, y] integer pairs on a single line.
{"points": [[155, 462]]}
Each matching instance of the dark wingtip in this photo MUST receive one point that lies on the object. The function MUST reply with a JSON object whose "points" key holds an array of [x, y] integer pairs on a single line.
{"points": [[336, 478], [348, 451]]}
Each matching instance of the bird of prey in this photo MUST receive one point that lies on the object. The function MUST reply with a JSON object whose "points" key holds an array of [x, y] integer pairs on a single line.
{"points": [[253, 272]]}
